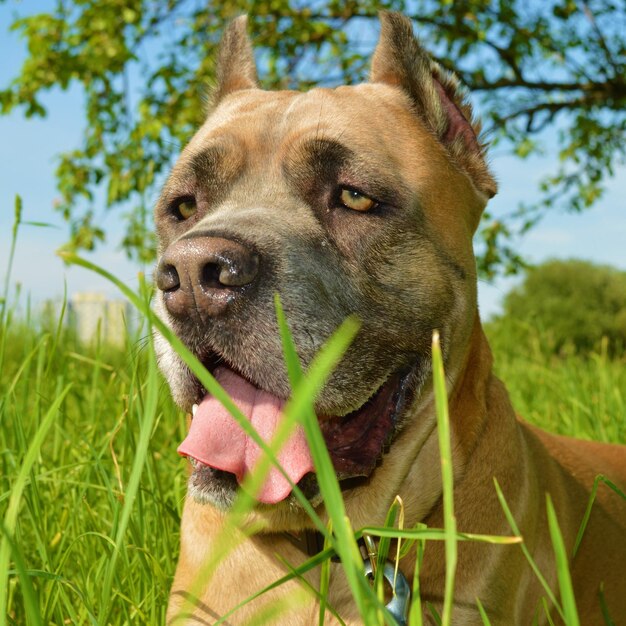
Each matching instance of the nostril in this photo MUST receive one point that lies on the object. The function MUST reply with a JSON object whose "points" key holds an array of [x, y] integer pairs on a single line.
{"points": [[167, 277], [229, 271], [210, 276]]}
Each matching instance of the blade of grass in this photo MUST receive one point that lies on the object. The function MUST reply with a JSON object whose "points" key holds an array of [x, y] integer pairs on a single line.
{"points": [[326, 477], [59, 330], [295, 572], [324, 580], [436, 534], [606, 616], [547, 613], [383, 549], [5, 319], [483, 613], [369, 605], [17, 220], [562, 567], [447, 478], [434, 613], [306, 389], [592, 497], [31, 604], [415, 611], [400, 502], [525, 551], [585, 520]]}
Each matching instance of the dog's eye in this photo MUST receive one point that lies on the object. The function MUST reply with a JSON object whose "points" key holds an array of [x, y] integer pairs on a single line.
{"points": [[356, 201], [185, 208]]}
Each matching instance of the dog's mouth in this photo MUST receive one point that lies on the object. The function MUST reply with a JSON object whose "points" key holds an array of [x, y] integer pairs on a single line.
{"points": [[219, 446]]}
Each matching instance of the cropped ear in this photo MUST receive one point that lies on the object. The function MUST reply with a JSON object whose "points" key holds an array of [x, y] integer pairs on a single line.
{"points": [[438, 98], [236, 68]]}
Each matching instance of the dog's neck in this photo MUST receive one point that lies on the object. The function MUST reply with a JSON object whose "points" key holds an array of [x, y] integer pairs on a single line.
{"points": [[468, 399]]}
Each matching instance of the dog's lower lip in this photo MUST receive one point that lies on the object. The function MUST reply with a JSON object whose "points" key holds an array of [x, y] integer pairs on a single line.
{"points": [[307, 484]]}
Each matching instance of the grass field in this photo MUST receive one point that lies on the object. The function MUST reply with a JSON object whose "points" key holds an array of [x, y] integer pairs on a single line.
{"points": [[578, 396], [91, 487], [76, 499]]}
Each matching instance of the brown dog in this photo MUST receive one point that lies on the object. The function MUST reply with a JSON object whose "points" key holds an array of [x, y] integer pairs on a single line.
{"points": [[358, 200]]}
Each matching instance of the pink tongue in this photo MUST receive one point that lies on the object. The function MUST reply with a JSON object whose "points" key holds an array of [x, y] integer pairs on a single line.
{"points": [[218, 441]]}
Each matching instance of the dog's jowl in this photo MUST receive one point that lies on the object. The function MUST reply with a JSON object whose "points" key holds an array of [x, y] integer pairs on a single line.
{"points": [[360, 200]]}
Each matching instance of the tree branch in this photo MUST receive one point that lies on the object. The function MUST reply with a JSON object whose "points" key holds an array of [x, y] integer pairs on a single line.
{"points": [[601, 40]]}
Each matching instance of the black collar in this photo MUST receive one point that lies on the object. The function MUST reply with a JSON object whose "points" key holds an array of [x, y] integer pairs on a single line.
{"points": [[309, 541]]}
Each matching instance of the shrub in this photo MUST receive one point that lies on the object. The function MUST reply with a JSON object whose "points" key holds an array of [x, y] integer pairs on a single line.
{"points": [[574, 304]]}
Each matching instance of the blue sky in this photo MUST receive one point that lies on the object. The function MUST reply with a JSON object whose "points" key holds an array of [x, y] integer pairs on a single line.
{"points": [[28, 150]]}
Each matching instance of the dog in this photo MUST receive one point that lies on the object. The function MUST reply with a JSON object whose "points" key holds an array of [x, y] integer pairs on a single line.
{"points": [[359, 200]]}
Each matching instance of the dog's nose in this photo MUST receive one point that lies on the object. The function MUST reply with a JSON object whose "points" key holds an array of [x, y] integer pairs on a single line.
{"points": [[205, 274]]}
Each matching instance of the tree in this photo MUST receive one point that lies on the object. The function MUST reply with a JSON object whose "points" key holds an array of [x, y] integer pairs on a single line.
{"points": [[575, 304], [144, 65]]}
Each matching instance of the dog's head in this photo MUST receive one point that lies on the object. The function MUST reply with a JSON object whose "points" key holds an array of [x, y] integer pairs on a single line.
{"points": [[360, 200]]}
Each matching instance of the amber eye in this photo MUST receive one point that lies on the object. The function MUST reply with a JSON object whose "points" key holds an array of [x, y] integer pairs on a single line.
{"points": [[186, 208], [356, 201]]}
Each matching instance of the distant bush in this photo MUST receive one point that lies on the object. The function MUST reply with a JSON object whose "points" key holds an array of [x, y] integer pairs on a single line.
{"points": [[575, 305]]}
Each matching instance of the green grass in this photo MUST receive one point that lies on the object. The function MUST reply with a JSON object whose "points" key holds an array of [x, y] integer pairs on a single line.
{"points": [[91, 488], [583, 396], [90, 491]]}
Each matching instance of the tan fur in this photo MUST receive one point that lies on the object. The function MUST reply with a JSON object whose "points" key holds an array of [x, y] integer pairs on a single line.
{"points": [[415, 273]]}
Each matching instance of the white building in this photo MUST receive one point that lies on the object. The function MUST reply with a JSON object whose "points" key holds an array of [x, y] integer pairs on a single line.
{"points": [[96, 316]]}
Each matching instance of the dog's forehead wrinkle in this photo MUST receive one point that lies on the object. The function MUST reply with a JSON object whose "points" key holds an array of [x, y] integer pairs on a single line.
{"points": [[345, 103], [319, 120], [256, 104], [282, 112]]}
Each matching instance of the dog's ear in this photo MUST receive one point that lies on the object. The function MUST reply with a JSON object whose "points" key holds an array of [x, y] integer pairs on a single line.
{"points": [[438, 97], [236, 68]]}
